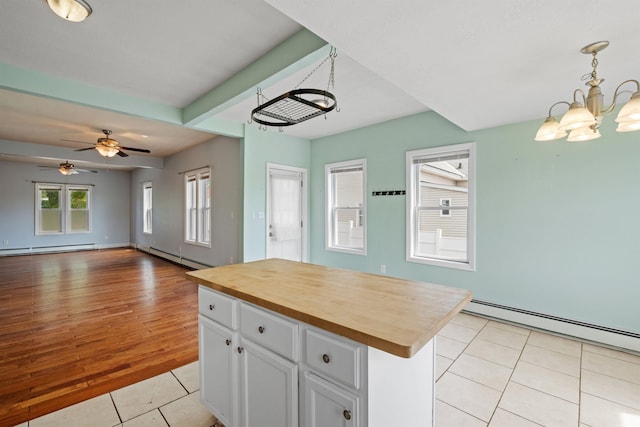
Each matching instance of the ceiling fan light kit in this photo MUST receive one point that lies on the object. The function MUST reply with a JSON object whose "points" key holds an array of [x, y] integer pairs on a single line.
{"points": [[109, 147], [70, 10], [583, 119]]}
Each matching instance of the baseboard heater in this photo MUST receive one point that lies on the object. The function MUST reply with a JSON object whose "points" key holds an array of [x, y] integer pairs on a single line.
{"points": [[617, 338], [180, 260], [48, 249]]}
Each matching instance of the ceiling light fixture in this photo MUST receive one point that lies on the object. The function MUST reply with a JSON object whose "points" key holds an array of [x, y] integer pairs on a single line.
{"points": [[106, 151], [66, 169], [583, 120], [71, 10]]}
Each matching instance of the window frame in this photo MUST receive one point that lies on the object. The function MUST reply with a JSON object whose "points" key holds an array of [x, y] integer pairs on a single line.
{"points": [[330, 231], [73, 187], [445, 213], [147, 207], [193, 200], [65, 209], [412, 204]]}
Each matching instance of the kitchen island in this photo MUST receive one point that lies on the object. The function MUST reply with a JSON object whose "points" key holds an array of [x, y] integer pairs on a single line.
{"points": [[286, 344]]}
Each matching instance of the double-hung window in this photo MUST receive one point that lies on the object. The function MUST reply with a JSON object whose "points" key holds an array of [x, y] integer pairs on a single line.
{"points": [[147, 208], [62, 209], [198, 207], [346, 207], [441, 206]]}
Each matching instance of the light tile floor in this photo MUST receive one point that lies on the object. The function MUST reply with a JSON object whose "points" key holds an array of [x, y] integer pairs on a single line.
{"points": [[169, 399], [493, 374], [489, 374]]}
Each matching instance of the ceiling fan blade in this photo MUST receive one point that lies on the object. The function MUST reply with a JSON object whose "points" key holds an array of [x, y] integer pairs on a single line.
{"points": [[48, 167], [74, 140], [141, 150], [122, 153], [86, 170], [85, 149]]}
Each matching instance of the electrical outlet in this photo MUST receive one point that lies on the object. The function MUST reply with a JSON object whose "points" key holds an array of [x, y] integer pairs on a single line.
{"points": [[5, 242], [383, 268]]}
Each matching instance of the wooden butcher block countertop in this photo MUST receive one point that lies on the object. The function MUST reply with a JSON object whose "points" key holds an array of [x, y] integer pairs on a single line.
{"points": [[394, 315]]}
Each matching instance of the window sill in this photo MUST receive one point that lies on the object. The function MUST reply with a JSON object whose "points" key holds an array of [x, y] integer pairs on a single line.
{"points": [[458, 265]]}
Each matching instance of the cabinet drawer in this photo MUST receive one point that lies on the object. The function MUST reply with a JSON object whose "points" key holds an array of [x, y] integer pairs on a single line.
{"points": [[333, 356], [218, 307], [270, 331]]}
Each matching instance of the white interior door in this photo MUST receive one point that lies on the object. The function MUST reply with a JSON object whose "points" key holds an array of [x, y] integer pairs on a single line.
{"points": [[286, 212]]}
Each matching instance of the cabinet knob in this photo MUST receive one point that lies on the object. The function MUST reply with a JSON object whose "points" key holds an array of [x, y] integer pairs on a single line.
{"points": [[261, 329], [212, 307], [228, 341], [346, 414], [240, 349], [326, 358]]}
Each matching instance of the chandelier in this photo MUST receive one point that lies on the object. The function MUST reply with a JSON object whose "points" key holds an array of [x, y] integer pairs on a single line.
{"points": [[583, 120]]}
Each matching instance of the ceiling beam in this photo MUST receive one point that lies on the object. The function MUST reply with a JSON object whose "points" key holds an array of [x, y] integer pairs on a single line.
{"points": [[295, 53], [39, 84]]}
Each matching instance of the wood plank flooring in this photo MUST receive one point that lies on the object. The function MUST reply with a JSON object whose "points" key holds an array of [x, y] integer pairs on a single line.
{"points": [[77, 325]]}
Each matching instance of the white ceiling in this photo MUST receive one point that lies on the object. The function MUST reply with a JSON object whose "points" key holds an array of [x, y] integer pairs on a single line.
{"points": [[478, 64]]}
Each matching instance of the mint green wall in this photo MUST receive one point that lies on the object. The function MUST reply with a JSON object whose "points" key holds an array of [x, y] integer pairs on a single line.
{"points": [[260, 148], [557, 223]]}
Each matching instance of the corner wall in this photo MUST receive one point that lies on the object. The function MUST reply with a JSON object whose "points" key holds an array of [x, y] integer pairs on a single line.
{"points": [[557, 223]]}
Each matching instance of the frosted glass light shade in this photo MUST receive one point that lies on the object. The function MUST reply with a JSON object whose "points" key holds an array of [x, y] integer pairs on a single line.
{"points": [[71, 10], [549, 130], [583, 134], [577, 117], [630, 112], [106, 151]]}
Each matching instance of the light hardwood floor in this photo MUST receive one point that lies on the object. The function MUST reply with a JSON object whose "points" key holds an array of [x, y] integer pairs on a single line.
{"points": [[77, 325]]}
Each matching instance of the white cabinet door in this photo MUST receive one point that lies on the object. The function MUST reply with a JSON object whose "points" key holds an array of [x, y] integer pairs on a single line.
{"points": [[218, 370], [327, 405], [269, 390]]}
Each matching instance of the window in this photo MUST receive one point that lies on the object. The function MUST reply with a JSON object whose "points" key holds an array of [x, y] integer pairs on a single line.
{"points": [[198, 207], [445, 203], [62, 209], [346, 211], [78, 208], [147, 208], [440, 206]]}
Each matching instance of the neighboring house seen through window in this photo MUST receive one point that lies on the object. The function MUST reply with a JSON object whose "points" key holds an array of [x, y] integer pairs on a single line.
{"points": [[147, 208], [440, 206], [346, 210], [62, 209], [198, 207]]}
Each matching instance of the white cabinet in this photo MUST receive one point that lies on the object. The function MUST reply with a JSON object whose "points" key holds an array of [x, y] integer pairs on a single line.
{"points": [[327, 405], [248, 374], [262, 369], [218, 368], [269, 388]]}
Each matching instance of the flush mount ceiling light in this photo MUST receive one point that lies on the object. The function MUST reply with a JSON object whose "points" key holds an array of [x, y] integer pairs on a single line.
{"points": [[583, 120], [71, 10], [297, 105]]}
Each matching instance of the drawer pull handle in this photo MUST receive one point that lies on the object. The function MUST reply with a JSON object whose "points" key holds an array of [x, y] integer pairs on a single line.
{"points": [[212, 307], [326, 358], [346, 414], [261, 329], [228, 341], [240, 349]]}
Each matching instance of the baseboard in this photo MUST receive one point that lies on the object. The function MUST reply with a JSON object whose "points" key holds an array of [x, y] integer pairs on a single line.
{"points": [[587, 332], [196, 265], [48, 249]]}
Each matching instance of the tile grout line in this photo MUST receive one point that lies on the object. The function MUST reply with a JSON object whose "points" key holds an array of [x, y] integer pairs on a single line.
{"points": [[113, 402], [580, 384], [509, 380]]}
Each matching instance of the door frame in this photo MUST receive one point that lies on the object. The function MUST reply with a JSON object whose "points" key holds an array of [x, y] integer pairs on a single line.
{"points": [[305, 205]]}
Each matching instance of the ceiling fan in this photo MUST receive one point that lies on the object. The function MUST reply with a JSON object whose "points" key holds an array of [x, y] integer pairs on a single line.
{"points": [[109, 147], [67, 168]]}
